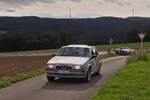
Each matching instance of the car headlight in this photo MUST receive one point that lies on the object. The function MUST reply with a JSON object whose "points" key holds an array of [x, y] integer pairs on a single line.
{"points": [[51, 66], [77, 67]]}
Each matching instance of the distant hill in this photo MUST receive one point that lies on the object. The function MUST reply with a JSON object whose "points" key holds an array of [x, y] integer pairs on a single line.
{"points": [[88, 30]]}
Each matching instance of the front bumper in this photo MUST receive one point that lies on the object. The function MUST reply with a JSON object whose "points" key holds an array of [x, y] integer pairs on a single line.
{"points": [[66, 74]]}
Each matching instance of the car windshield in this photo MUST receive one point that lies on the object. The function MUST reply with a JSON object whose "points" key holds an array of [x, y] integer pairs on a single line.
{"points": [[124, 48], [74, 51]]}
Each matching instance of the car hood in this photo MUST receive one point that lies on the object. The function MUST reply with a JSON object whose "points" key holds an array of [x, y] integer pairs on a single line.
{"points": [[68, 60]]}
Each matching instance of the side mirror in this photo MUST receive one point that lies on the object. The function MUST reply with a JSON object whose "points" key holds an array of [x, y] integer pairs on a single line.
{"points": [[53, 55], [94, 56]]}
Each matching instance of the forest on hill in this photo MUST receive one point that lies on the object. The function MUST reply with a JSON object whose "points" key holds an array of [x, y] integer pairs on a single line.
{"points": [[31, 33]]}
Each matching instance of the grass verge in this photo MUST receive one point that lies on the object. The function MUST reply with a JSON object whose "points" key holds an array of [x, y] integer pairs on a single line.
{"points": [[108, 55], [7, 81], [126, 44], [132, 83]]}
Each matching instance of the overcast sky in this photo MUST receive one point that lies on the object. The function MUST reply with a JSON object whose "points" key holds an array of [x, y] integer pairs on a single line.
{"points": [[80, 8]]}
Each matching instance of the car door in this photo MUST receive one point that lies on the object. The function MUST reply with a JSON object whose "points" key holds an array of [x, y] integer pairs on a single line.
{"points": [[97, 60], [91, 62], [94, 60]]}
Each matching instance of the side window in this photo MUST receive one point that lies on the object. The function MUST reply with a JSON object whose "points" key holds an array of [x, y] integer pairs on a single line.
{"points": [[94, 52]]}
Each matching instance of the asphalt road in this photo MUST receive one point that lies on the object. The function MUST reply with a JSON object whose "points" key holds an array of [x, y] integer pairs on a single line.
{"points": [[63, 89]]}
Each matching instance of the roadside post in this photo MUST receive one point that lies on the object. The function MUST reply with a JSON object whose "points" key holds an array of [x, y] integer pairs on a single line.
{"points": [[141, 36], [110, 44]]}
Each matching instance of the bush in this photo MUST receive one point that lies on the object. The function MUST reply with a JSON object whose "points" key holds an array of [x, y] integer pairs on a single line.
{"points": [[143, 57]]}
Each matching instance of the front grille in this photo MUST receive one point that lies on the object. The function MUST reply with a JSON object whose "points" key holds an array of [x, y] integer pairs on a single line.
{"points": [[64, 67]]}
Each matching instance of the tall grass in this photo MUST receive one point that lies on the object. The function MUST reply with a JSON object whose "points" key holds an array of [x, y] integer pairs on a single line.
{"points": [[135, 58], [132, 83]]}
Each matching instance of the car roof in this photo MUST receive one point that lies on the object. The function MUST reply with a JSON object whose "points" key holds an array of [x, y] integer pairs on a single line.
{"points": [[81, 46], [125, 47]]}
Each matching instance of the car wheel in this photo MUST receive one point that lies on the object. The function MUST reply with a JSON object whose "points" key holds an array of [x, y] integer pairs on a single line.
{"points": [[50, 79], [88, 76]]}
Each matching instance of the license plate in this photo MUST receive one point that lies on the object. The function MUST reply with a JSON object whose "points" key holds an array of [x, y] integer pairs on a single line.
{"points": [[62, 71]]}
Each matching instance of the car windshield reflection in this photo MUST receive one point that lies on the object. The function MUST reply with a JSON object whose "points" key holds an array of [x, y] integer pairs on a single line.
{"points": [[74, 51]]}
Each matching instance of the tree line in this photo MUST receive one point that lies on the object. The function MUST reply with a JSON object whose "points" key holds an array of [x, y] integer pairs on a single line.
{"points": [[17, 41]]}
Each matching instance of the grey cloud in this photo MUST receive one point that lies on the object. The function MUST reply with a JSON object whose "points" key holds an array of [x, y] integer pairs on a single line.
{"points": [[30, 2], [148, 5], [46, 1], [10, 10], [16, 2], [127, 3], [73, 0], [100, 3], [119, 2], [113, 1], [124, 3]]}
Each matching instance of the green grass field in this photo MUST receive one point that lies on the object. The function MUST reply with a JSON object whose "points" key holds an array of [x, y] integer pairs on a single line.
{"points": [[124, 45], [132, 83]]}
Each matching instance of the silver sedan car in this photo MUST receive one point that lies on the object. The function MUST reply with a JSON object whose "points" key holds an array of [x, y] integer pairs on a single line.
{"points": [[74, 61]]}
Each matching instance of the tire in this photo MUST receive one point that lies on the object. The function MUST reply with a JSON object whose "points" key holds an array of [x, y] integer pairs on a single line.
{"points": [[50, 79], [87, 79], [98, 71]]}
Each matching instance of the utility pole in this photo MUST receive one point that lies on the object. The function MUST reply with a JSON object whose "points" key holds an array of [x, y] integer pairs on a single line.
{"points": [[110, 44], [133, 12], [70, 13]]}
